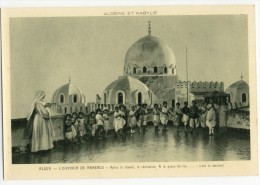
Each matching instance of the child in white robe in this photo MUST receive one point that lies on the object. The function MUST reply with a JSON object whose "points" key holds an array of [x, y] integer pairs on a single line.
{"points": [[156, 117], [178, 116], [164, 116], [144, 114], [106, 121], [99, 122], [119, 122], [132, 119], [211, 118]]}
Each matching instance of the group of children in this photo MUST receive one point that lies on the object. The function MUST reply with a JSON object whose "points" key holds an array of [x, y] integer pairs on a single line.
{"points": [[97, 125]]}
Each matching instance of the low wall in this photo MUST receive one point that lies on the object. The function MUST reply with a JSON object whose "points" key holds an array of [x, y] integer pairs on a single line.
{"points": [[238, 119], [18, 126], [234, 119]]}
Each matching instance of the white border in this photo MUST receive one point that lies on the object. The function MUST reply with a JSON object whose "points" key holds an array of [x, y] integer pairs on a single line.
{"points": [[183, 180]]}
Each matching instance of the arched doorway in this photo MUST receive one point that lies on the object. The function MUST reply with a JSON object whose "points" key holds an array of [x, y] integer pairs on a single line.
{"points": [[75, 99], [144, 69], [244, 97], [62, 98], [155, 69], [139, 98], [120, 98], [165, 69]]}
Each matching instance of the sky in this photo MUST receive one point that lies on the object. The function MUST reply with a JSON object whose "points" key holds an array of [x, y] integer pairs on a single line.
{"points": [[45, 52]]}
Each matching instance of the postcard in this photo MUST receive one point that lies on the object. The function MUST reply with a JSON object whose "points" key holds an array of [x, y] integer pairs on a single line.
{"points": [[129, 92]]}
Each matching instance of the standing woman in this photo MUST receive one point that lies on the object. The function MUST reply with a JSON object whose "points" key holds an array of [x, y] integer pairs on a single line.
{"points": [[39, 127]]}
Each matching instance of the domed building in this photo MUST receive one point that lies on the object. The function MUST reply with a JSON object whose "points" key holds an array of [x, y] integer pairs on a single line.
{"points": [[68, 99], [150, 56], [238, 94], [152, 61], [128, 91], [150, 69]]}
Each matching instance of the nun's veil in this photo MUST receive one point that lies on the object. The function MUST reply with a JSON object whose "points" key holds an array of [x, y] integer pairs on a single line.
{"points": [[28, 130], [39, 95]]}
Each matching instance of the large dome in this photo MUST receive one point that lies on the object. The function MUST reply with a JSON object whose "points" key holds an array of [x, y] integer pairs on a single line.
{"points": [[149, 51]]}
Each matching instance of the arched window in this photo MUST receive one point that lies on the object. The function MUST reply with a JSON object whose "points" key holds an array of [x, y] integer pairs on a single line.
{"points": [[243, 97], [155, 69], [165, 69], [173, 71], [105, 98], [144, 69], [139, 98], [61, 98], [65, 110], [134, 70], [75, 98], [120, 98]]}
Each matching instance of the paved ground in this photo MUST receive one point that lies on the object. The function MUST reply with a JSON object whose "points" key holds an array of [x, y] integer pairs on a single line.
{"points": [[151, 146]]}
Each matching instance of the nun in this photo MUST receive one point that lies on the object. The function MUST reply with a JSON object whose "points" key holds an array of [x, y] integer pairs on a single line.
{"points": [[39, 126]]}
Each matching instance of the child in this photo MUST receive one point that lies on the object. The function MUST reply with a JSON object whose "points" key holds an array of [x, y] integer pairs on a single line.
{"points": [[186, 112], [99, 122], [74, 120], [139, 117], [194, 115], [156, 117], [178, 116], [132, 119], [91, 120], [106, 121], [81, 126], [119, 122], [211, 117], [164, 116], [203, 115], [144, 115], [70, 132]]}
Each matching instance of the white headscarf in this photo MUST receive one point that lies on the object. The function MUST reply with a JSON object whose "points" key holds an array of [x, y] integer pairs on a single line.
{"points": [[38, 99]]}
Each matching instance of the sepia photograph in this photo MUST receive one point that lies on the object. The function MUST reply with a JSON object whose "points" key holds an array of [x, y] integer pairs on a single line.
{"points": [[129, 86]]}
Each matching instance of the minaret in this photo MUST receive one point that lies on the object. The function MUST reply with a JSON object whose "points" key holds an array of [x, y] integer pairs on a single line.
{"points": [[149, 28]]}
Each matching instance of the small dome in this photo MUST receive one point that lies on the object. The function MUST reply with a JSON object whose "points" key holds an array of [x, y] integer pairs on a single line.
{"points": [[130, 88], [149, 51], [70, 94], [241, 84], [238, 93], [127, 83]]}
